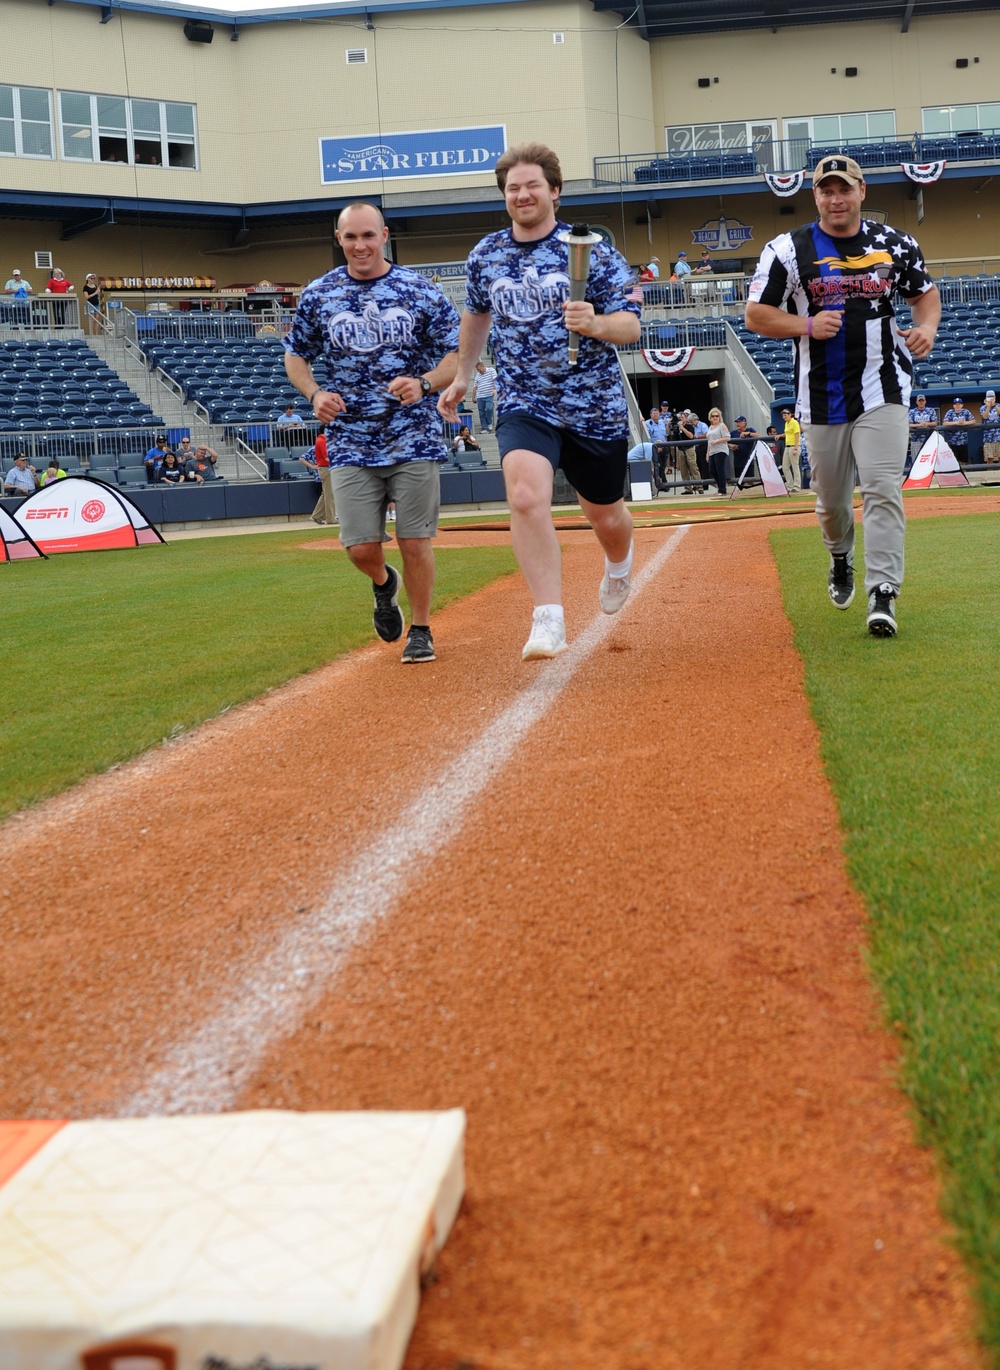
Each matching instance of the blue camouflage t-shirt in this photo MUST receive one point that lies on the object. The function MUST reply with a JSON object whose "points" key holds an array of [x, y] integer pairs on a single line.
{"points": [[368, 333], [523, 286]]}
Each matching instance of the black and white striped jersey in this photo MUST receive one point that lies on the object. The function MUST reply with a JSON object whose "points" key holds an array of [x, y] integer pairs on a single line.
{"points": [[866, 364]]}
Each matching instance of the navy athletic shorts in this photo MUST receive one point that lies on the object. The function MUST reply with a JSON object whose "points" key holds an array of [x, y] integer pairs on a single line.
{"points": [[596, 469]]}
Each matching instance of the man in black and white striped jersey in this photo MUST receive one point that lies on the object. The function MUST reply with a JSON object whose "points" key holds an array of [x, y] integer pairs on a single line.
{"points": [[828, 285]]}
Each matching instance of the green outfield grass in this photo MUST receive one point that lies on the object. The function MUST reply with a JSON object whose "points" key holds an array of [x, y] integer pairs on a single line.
{"points": [[911, 742], [108, 653]]}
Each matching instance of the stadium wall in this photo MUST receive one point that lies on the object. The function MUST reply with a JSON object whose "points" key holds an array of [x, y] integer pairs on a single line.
{"points": [[264, 102]]}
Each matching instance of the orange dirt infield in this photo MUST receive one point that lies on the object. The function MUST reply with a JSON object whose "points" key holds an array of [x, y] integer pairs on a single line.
{"points": [[635, 960]]}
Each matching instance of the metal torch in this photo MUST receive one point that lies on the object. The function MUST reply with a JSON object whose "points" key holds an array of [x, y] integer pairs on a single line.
{"points": [[579, 240]]}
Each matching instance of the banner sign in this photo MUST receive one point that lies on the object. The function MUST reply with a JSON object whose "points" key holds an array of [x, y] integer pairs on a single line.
{"points": [[668, 362], [398, 156], [722, 234], [923, 172], [784, 186], [80, 514], [770, 476], [156, 282], [935, 458], [441, 271]]}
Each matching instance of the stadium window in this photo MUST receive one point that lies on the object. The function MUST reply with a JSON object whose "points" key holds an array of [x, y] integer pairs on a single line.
{"points": [[25, 122], [836, 129], [111, 128], [736, 137], [961, 118], [757, 135]]}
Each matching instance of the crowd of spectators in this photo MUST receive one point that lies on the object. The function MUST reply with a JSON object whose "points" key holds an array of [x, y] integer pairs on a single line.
{"points": [[164, 466], [690, 453]]}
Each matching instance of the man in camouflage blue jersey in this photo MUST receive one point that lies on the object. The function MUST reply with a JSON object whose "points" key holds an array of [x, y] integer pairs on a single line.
{"points": [[388, 340], [551, 414]]}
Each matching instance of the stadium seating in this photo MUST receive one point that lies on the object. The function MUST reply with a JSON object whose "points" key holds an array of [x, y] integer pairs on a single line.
{"points": [[57, 386], [236, 380]]}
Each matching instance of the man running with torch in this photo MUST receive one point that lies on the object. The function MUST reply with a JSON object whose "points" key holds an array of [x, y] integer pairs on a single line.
{"points": [[556, 410]]}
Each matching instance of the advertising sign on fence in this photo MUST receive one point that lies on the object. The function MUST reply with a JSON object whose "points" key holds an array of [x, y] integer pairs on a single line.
{"points": [[83, 515], [397, 156]]}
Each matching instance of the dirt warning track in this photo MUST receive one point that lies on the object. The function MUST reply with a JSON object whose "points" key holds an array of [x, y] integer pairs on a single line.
{"points": [[627, 947]]}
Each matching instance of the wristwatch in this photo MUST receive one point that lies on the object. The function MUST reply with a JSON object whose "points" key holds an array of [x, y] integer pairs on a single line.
{"points": [[425, 386]]}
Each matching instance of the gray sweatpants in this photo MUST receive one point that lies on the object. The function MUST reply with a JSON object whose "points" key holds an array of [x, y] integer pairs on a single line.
{"points": [[877, 443]]}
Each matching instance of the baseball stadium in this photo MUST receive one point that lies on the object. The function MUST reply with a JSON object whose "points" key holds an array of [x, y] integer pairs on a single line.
{"points": [[631, 1008]]}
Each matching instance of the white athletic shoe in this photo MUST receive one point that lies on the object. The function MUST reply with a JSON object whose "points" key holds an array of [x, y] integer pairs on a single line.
{"points": [[614, 591], [548, 637]]}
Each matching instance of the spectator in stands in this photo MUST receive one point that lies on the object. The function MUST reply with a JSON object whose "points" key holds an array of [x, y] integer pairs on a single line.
{"points": [[170, 472], [486, 392], [687, 465], [92, 300], [718, 449], [21, 478], [326, 508], [706, 266], [656, 429], [191, 470], [922, 421], [18, 286], [206, 456], [153, 460], [53, 472], [463, 441], [682, 268], [793, 450], [743, 440], [955, 420], [701, 447], [290, 418], [991, 428], [653, 267], [59, 285]]}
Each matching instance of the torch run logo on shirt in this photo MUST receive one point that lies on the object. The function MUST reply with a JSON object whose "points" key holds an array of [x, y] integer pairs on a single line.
{"points": [[374, 328], [531, 296]]}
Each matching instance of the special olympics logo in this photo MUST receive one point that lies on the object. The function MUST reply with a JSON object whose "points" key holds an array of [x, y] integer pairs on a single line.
{"points": [[93, 511]]}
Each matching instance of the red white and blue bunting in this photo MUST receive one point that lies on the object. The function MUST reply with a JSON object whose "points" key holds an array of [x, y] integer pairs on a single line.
{"points": [[669, 361], [923, 172], [784, 185]]}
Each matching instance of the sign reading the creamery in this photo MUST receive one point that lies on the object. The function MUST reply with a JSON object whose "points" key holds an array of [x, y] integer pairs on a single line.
{"points": [[157, 282]]}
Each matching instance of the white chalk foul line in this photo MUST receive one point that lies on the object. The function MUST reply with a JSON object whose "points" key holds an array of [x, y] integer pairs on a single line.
{"points": [[206, 1071]]}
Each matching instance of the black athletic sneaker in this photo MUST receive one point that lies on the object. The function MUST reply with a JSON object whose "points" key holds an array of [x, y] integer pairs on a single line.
{"points": [[841, 581], [881, 615], [388, 616], [419, 645]]}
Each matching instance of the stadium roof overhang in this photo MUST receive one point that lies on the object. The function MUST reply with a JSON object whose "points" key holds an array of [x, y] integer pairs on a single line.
{"points": [[80, 214], [653, 18], [670, 18]]}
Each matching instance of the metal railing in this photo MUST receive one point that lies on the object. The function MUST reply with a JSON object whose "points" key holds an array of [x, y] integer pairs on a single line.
{"points": [[39, 315], [790, 155], [656, 335], [83, 444], [214, 326]]}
